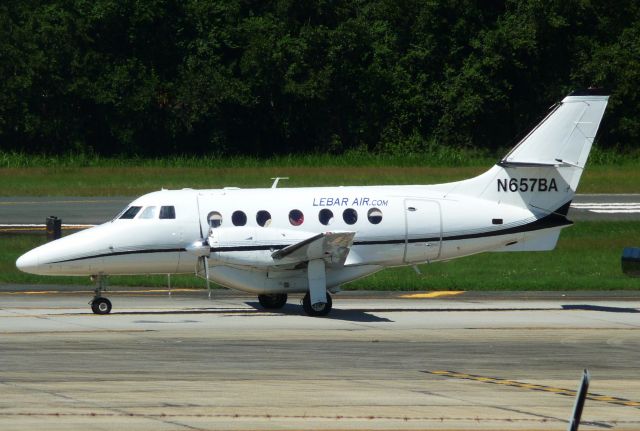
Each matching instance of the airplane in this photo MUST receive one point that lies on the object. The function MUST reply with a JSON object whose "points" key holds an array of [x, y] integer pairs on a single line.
{"points": [[276, 241]]}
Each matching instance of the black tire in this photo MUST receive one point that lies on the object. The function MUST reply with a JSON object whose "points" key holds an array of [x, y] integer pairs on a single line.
{"points": [[273, 301], [320, 309], [101, 306]]}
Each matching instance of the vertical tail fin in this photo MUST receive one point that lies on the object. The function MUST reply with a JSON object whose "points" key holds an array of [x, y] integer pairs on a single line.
{"points": [[565, 136], [543, 170]]}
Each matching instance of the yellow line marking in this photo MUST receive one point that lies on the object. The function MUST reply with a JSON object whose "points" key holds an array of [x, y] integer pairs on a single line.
{"points": [[432, 294], [51, 202], [533, 387], [37, 293], [185, 289], [41, 228], [605, 398], [53, 292], [21, 229]]}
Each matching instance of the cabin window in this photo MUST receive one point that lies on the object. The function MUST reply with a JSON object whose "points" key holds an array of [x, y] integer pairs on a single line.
{"points": [[374, 215], [130, 213], [168, 212], [296, 217], [148, 213], [238, 218], [263, 218], [325, 216], [350, 216], [214, 219]]}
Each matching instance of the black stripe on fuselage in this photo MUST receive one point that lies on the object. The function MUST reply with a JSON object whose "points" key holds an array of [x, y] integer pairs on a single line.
{"points": [[174, 250], [550, 221], [123, 253], [249, 248]]}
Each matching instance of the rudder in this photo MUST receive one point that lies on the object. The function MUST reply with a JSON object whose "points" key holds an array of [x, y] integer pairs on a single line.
{"points": [[543, 170]]}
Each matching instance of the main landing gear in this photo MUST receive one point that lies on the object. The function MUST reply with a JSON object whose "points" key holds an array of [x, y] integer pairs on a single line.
{"points": [[273, 301], [278, 300], [318, 309], [99, 304], [317, 302]]}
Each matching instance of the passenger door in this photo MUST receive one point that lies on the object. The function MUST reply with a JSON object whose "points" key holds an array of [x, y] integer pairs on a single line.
{"points": [[423, 230]]}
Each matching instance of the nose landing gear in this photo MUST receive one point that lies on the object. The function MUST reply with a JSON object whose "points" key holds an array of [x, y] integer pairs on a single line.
{"points": [[99, 304]]}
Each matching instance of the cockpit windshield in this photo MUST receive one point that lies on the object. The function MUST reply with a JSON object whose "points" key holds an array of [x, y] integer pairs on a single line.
{"points": [[130, 212], [151, 212]]}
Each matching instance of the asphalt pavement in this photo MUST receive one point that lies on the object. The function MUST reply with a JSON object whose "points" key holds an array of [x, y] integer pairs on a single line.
{"points": [[96, 210], [428, 360]]}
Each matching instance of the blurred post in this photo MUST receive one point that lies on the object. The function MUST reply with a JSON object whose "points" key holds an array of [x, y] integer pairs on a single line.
{"points": [[631, 261], [54, 228], [581, 396]]}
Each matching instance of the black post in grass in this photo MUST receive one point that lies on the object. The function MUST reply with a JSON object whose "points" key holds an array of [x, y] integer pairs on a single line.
{"points": [[54, 228], [631, 261]]}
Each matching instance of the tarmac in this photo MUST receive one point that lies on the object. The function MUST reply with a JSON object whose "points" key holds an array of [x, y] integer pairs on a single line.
{"points": [[390, 360], [76, 212]]}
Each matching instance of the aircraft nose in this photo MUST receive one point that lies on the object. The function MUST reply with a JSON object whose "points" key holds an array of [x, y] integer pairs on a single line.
{"points": [[28, 262]]}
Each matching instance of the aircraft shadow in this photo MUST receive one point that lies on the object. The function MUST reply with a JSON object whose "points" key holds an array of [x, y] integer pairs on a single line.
{"points": [[588, 307], [336, 313], [256, 310], [365, 314]]}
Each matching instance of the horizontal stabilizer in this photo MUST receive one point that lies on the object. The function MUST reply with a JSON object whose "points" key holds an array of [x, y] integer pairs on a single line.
{"points": [[555, 164]]}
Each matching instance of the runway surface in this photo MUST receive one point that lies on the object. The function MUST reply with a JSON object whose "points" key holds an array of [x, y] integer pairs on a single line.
{"points": [[96, 210], [380, 361]]}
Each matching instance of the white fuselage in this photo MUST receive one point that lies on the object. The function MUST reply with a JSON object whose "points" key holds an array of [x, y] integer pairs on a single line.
{"points": [[275, 241], [393, 225]]}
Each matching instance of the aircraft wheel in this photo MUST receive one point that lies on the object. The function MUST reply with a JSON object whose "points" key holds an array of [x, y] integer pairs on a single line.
{"points": [[316, 310], [276, 300], [101, 306]]}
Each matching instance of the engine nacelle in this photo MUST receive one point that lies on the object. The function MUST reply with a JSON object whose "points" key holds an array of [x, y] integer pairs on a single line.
{"points": [[251, 246]]}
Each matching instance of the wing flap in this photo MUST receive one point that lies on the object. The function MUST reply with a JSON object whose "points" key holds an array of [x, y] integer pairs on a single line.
{"points": [[333, 247]]}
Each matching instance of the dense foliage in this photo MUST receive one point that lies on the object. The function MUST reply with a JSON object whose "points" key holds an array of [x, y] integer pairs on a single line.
{"points": [[154, 77]]}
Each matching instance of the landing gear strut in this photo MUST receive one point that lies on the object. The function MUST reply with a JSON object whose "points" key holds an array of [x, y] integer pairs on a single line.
{"points": [[99, 304], [317, 301], [273, 301], [318, 309]]}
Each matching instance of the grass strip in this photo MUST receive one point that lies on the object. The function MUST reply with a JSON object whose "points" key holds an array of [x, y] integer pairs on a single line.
{"points": [[432, 155], [135, 181], [587, 258], [609, 171]]}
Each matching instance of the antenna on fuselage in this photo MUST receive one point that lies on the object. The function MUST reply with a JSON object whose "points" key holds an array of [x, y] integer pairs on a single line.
{"points": [[276, 180]]}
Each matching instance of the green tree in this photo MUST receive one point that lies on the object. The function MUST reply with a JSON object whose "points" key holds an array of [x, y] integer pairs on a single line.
{"points": [[153, 77]]}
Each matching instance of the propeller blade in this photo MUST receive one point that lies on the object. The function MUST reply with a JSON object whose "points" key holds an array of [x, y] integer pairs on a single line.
{"points": [[199, 216], [206, 273]]}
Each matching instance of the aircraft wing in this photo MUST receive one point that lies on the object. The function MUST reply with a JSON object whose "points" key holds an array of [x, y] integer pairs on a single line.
{"points": [[333, 247]]}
